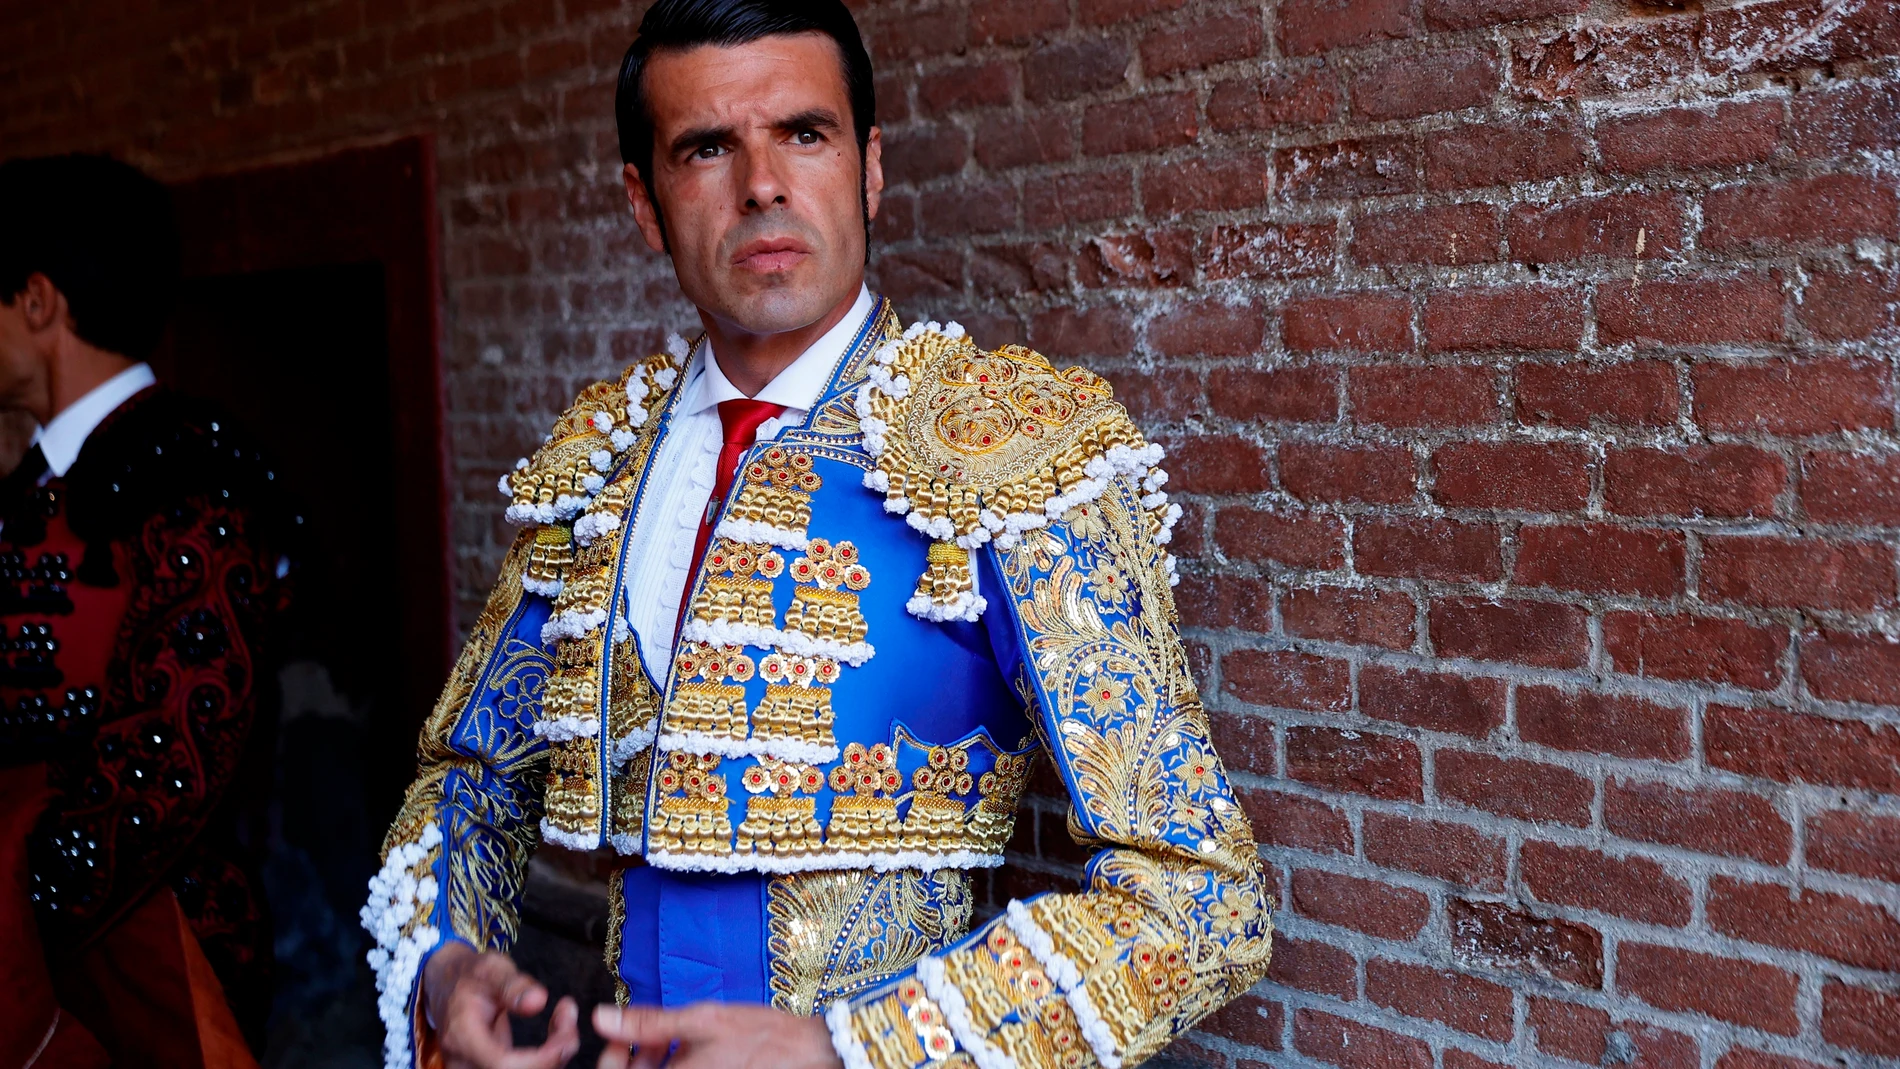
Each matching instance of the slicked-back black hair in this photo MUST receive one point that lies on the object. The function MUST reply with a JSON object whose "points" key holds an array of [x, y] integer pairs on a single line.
{"points": [[684, 24], [104, 233]]}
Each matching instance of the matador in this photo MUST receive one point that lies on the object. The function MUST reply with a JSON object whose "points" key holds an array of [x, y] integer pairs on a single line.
{"points": [[794, 609]]}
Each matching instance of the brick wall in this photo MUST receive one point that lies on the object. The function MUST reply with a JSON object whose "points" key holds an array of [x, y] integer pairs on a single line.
{"points": [[1528, 370]]}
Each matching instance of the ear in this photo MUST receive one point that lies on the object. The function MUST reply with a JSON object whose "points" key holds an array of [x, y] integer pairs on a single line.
{"points": [[646, 215], [41, 304], [873, 171]]}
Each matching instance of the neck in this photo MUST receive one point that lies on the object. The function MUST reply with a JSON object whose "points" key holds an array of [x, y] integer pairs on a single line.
{"points": [[75, 371], [751, 361]]}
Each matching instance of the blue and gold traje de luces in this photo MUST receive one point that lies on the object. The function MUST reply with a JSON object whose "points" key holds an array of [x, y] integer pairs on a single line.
{"points": [[956, 560]]}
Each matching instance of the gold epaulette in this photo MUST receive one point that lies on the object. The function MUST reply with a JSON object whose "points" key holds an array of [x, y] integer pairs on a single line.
{"points": [[563, 489], [974, 445]]}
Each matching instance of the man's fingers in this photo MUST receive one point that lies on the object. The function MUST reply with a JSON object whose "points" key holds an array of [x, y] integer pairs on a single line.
{"points": [[524, 996], [564, 1039]]}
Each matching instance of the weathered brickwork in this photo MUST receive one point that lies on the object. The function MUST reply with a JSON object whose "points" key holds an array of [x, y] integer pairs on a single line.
{"points": [[1528, 371]]}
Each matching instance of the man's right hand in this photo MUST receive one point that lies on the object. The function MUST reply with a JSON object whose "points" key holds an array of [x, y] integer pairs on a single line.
{"points": [[470, 997]]}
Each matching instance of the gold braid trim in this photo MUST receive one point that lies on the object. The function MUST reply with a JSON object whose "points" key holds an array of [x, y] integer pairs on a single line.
{"points": [[974, 445]]}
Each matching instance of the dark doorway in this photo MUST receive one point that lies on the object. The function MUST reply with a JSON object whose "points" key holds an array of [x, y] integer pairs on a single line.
{"points": [[309, 313]]}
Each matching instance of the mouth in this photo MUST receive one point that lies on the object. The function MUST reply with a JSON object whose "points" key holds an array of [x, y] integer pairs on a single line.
{"points": [[769, 255]]}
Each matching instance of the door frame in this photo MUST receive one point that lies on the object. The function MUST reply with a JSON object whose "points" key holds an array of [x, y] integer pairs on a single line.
{"points": [[358, 205]]}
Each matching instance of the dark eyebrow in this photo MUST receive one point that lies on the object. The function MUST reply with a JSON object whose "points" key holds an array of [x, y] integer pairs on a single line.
{"points": [[811, 119], [699, 136]]}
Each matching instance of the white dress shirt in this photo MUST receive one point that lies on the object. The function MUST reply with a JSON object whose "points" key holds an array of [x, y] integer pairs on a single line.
{"points": [[65, 435], [679, 485]]}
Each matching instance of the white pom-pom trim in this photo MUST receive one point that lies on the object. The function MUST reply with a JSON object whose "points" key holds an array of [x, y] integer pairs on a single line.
{"points": [[758, 532], [570, 839], [563, 728], [572, 624], [547, 588], [398, 894], [966, 606], [796, 643], [844, 1039], [1068, 977], [699, 742], [628, 746], [913, 860], [956, 1014], [677, 348]]}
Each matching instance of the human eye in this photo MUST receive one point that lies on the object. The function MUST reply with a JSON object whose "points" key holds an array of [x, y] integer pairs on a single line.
{"points": [[808, 137], [709, 151]]}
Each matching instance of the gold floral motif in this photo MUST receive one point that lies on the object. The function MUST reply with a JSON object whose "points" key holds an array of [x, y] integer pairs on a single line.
{"points": [[573, 794], [693, 816], [743, 560], [777, 490], [715, 664], [834, 933], [863, 802]]}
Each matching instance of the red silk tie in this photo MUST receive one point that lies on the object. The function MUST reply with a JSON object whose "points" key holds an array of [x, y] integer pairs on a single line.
{"points": [[740, 418]]}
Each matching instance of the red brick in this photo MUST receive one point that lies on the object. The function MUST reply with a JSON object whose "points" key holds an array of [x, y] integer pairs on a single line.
{"points": [[1143, 124], [1065, 70], [961, 88], [1248, 1019], [1588, 722], [1492, 935], [1406, 87], [1218, 464], [1205, 183], [927, 151], [1368, 906], [1428, 549], [1448, 234], [1364, 322], [1023, 140], [1859, 844], [1084, 332], [1514, 317], [1351, 1045], [1463, 1002], [1632, 887], [1294, 539], [1282, 395], [1743, 1058], [1796, 748], [1437, 701], [1746, 308], [1604, 58], [1848, 305], [1206, 601], [1358, 762], [1789, 397], [1725, 136], [1637, 393], [1730, 823], [1268, 250], [1405, 396], [1372, 166], [1709, 480], [1533, 476], [1583, 1034], [1105, 12], [1308, 26], [1852, 668], [1860, 1018], [1057, 200], [1501, 154], [1525, 790], [1009, 21], [1211, 328], [1851, 488], [1536, 633], [1450, 852], [1159, 396], [1740, 992], [1601, 559], [1857, 576], [1311, 965], [925, 33], [1146, 259], [1199, 44], [1648, 226], [1464, 1059], [1847, 117], [1287, 680], [1701, 648], [1375, 474], [1826, 210], [1244, 741], [1471, 14], [977, 208], [1282, 819], [1833, 926], [1276, 100], [1357, 617]]}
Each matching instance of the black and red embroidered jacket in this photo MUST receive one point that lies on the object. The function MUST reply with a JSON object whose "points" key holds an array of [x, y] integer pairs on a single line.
{"points": [[139, 596]]}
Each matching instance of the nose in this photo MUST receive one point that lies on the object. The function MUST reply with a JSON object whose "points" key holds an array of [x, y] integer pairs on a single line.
{"points": [[760, 181]]}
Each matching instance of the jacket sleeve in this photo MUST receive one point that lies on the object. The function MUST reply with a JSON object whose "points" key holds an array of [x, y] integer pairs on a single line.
{"points": [[1173, 918], [457, 853]]}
